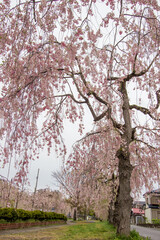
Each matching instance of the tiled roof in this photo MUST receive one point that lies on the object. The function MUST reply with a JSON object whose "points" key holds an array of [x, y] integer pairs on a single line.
{"points": [[137, 211]]}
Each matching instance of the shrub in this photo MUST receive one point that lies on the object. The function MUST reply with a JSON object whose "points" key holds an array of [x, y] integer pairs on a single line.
{"points": [[12, 215], [156, 221], [24, 214], [38, 215], [8, 214], [48, 215], [3, 221]]}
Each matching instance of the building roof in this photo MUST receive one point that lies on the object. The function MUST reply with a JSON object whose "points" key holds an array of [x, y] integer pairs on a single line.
{"points": [[137, 211], [139, 202]]}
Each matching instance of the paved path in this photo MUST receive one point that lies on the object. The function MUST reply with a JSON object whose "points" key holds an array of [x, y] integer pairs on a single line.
{"points": [[153, 233]]}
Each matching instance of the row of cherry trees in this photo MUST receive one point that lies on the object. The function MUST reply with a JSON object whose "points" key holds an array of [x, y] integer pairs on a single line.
{"points": [[62, 58], [78, 195], [44, 199]]}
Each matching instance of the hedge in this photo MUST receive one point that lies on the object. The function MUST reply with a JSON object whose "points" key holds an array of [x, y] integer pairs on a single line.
{"points": [[12, 215], [8, 214]]}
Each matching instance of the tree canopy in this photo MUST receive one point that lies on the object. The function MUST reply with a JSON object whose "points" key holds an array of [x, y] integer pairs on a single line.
{"points": [[61, 57]]}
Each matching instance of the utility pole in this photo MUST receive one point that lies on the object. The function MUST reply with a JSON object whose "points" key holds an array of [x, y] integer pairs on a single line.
{"points": [[35, 189]]}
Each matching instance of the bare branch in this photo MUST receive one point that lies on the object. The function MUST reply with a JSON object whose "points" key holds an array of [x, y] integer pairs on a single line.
{"points": [[60, 178]]}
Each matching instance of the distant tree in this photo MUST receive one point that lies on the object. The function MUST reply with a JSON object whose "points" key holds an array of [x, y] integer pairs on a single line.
{"points": [[49, 200], [59, 58], [97, 170], [12, 195], [86, 178], [69, 183]]}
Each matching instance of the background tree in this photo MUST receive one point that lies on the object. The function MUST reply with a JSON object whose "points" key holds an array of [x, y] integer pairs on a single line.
{"points": [[87, 175], [12, 195], [98, 169], [60, 58], [71, 186], [49, 200]]}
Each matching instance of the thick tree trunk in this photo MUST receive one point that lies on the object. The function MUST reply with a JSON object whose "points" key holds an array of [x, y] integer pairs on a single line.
{"points": [[123, 202]]}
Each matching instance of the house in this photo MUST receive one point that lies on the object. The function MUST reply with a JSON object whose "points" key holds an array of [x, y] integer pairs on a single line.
{"points": [[137, 212], [152, 210], [139, 204]]}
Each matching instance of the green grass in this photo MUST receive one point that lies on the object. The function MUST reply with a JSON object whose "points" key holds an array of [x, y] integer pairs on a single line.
{"points": [[78, 231], [95, 230]]}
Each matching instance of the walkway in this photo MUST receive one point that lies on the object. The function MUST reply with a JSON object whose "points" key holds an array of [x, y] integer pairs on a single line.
{"points": [[153, 233]]}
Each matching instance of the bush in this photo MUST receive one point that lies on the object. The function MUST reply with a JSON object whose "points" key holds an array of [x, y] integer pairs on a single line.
{"points": [[3, 221], [24, 214], [8, 214], [38, 215], [156, 221], [49, 215], [12, 215]]}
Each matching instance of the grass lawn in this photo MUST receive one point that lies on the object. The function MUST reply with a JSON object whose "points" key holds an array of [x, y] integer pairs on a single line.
{"points": [[79, 231]]}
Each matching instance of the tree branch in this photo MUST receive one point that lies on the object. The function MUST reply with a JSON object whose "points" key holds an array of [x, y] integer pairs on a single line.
{"points": [[148, 145], [158, 98], [134, 74], [144, 111], [91, 134]]}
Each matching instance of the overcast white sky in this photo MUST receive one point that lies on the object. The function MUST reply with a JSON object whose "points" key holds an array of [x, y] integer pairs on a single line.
{"points": [[50, 163], [47, 164]]}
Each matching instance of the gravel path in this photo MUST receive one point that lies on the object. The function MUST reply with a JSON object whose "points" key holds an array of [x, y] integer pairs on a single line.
{"points": [[32, 229]]}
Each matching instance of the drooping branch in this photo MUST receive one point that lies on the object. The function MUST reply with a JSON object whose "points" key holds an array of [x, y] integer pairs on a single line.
{"points": [[90, 91], [71, 96], [134, 74], [34, 11], [144, 111], [90, 5], [91, 134], [145, 143], [158, 98], [140, 16], [147, 69]]}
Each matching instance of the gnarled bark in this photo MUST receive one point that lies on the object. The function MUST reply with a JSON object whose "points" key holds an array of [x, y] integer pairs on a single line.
{"points": [[123, 202]]}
